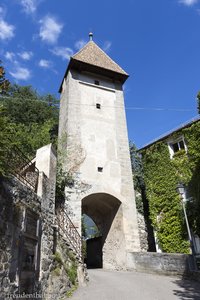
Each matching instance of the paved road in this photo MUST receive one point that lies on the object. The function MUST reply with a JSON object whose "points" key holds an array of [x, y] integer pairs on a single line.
{"points": [[113, 285]]}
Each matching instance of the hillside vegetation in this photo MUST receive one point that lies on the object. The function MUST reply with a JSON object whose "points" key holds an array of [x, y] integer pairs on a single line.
{"points": [[28, 120]]}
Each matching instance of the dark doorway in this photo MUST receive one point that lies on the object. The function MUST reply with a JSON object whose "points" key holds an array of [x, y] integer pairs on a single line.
{"points": [[94, 253], [29, 253], [93, 243]]}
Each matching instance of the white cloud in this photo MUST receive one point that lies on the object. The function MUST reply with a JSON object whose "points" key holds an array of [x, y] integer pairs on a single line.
{"points": [[26, 55], [188, 2], [9, 56], [6, 30], [107, 45], [50, 30], [63, 52], [80, 44], [43, 63], [29, 6], [21, 73]]}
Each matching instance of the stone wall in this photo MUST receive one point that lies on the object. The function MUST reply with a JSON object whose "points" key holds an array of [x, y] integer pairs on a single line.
{"points": [[65, 272], [15, 199], [29, 241], [161, 263], [142, 232], [54, 279]]}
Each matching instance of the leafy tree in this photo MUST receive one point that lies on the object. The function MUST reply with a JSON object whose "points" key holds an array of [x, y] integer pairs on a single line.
{"points": [[5, 126], [138, 177], [25, 106], [4, 83], [5, 142], [27, 120], [30, 138], [34, 121], [89, 228], [198, 102]]}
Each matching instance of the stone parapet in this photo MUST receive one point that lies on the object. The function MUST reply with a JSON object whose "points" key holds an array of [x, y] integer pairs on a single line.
{"points": [[161, 263]]}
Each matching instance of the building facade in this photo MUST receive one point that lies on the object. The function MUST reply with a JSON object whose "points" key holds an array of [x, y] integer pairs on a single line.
{"points": [[172, 159]]}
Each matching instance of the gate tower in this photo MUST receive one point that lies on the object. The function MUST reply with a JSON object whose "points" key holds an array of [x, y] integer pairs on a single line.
{"points": [[94, 148]]}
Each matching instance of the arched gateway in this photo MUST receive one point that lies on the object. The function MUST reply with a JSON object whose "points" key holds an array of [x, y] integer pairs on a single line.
{"points": [[108, 249], [94, 148]]}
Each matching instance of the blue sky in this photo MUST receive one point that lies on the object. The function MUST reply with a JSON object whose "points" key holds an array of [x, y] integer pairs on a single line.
{"points": [[156, 41]]}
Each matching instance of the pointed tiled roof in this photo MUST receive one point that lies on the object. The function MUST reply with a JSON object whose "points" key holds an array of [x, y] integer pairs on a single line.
{"points": [[93, 59], [93, 55]]}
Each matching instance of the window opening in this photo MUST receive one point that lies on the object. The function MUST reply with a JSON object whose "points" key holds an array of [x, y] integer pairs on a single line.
{"points": [[96, 82], [176, 146], [98, 105]]}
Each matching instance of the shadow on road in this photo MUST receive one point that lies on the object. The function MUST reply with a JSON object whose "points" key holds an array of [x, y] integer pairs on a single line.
{"points": [[189, 289]]}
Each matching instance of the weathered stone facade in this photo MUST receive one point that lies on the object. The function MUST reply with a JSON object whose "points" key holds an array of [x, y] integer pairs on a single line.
{"points": [[15, 198], [142, 232], [30, 240], [92, 117]]}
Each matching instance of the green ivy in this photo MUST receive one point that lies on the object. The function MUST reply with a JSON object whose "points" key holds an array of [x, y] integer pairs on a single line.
{"points": [[69, 267], [161, 175]]}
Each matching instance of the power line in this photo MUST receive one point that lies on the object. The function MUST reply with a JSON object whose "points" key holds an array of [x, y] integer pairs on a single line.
{"points": [[158, 109], [136, 108], [108, 106]]}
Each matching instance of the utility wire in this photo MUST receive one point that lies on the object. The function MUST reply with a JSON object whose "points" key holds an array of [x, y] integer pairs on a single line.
{"points": [[108, 106], [136, 108]]}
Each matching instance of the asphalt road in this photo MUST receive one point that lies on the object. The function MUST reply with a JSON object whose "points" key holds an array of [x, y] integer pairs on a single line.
{"points": [[115, 285]]}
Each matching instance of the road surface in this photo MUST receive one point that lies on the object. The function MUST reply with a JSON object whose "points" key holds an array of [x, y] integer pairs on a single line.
{"points": [[115, 285]]}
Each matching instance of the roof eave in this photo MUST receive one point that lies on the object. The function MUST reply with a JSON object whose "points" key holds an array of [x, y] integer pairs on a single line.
{"points": [[82, 66], [167, 135]]}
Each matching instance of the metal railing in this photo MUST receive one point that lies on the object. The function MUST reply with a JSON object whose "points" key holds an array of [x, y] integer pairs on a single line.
{"points": [[22, 167], [69, 231]]}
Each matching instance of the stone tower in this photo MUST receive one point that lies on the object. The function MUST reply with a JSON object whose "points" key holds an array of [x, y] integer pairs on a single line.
{"points": [[95, 149]]}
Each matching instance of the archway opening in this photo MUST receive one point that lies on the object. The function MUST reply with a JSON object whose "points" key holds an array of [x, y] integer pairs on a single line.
{"points": [[100, 209]]}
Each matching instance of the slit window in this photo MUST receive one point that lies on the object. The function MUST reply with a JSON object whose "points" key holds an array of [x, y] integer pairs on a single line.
{"points": [[96, 82], [98, 105], [100, 169]]}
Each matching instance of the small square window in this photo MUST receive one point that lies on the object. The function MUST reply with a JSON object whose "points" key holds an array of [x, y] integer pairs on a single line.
{"points": [[98, 105], [100, 169], [96, 82]]}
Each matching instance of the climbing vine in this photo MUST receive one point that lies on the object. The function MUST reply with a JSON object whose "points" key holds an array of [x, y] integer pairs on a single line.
{"points": [[161, 175]]}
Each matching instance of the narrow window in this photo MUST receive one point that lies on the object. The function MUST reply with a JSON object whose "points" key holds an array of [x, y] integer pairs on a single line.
{"points": [[175, 147], [98, 105], [96, 82], [181, 145], [100, 169]]}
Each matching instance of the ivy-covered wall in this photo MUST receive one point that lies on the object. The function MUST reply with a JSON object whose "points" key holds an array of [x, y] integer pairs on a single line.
{"points": [[161, 175]]}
